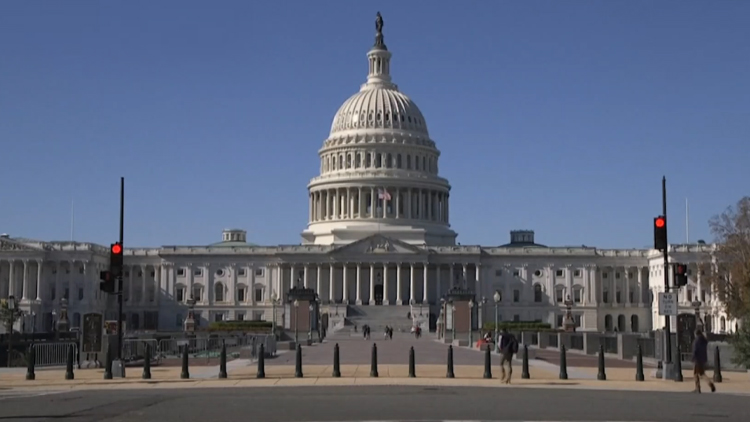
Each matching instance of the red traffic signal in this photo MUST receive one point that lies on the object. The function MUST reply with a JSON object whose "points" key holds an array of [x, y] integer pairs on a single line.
{"points": [[680, 275], [117, 248], [660, 233]]}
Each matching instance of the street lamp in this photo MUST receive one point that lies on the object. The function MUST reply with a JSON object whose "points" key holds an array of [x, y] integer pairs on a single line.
{"points": [[296, 321], [497, 297], [442, 318], [480, 316], [311, 316], [453, 321], [11, 317], [273, 315], [698, 321], [33, 326], [471, 319]]}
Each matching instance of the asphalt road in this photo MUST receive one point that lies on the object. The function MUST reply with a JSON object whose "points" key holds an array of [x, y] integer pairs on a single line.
{"points": [[324, 404]]}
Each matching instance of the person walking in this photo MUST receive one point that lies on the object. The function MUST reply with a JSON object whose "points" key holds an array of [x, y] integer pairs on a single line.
{"points": [[508, 347], [700, 357]]}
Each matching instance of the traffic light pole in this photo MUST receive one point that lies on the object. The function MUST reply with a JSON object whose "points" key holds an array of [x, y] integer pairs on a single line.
{"points": [[119, 278], [667, 318]]}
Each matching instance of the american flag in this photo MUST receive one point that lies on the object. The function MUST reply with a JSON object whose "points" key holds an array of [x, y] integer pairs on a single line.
{"points": [[383, 194]]}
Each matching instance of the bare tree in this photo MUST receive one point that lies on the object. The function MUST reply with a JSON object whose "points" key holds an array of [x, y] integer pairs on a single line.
{"points": [[731, 277]]}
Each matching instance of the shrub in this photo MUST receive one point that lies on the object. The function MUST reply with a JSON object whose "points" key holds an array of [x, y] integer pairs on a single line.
{"points": [[518, 326], [244, 326]]}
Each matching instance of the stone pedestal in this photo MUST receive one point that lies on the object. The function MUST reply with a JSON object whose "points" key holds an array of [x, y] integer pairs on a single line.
{"points": [[458, 312]]}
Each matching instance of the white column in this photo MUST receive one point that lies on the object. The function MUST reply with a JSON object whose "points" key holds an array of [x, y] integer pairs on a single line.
{"points": [[58, 292], [478, 281], [130, 284], [233, 289], [358, 287], [305, 279], [345, 284], [189, 274], [39, 280], [399, 298], [385, 284], [24, 287], [319, 280], [12, 279], [439, 287], [331, 286], [412, 295], [144, 275], [626, 273], [465, 275], [424, 284], [371, 299], [640, 285]]}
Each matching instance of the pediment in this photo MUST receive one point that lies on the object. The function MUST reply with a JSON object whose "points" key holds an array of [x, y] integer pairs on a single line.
{"points": [[7, 245], [377, 244]]}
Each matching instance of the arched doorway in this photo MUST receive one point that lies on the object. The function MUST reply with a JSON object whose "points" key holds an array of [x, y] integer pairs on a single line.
{"points": [[378, 294]]}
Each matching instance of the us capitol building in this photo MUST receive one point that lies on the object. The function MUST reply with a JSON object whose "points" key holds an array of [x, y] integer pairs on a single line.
{"points": [[379, 235]]}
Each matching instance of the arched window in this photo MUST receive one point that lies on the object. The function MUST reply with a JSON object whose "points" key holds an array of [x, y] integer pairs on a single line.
{"points": [[358, 161], [621, 327], [608, 323], [378, 161], [398, 161], [605, 296], [368, 160], [349, 161], [416, 162], [634, 323], [408, 162], [389, 160], [537, 293], [333, 163], [218, 292]]}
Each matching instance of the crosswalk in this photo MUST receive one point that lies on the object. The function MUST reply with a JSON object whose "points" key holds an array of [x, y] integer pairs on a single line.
{"points": [[23, 394]]}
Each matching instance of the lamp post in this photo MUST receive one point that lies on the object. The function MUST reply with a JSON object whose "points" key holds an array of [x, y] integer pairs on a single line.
{"points": [[453, 321], [480, 316], [698, 321], [497, 297], [296, 321], [273, 315], [311, 307], [442, 318], [33, 326], [471, 319], [11, 317]]}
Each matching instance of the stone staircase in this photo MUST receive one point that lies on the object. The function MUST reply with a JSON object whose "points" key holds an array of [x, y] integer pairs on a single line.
{"points": [[378, 317]]}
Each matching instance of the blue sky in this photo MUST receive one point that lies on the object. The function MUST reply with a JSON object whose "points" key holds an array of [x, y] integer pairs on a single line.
{"points": [[557, 116]]}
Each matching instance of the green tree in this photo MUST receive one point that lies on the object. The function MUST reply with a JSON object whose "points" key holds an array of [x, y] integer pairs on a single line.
{"points": [[731, 277], [741, 344], [6, 315]]}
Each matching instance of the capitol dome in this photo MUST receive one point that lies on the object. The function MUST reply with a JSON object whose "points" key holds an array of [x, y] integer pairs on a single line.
{"points": [[379, 168]]}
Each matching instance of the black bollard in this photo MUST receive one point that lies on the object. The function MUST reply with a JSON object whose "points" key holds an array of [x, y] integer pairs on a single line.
{"points": [[412, 364], [31, 362], [69, 364], [639, 365], [678, 364], [487, 363], [525, 367], [449, 373], [261, 362], [374, 361], [717, 366], [185, 374], [108, 364], [336, 362], [223, 362], [602, 375], [146, 363], [563, 364], [298, 363]]}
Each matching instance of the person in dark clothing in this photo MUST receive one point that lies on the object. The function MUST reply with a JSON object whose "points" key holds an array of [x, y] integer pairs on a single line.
{"points": [[508, 347], [700, 357]]}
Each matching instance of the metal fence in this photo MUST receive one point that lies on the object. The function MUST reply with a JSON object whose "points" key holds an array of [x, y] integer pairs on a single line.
{"points": [[210, 347], [53, 354]]}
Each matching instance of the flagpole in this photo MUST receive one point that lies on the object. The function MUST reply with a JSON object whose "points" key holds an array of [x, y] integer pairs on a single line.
{"points": [[687, 222], [72, 219]]}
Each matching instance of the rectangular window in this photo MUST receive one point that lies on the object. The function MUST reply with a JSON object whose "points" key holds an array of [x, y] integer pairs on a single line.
{"points": [[241, 295], [559, 293], [259, 272], [516, 273], [180, 294], [240, 316], [516, 295], [259, 295], [241, 272], [577, 295], [577, 273], [180, 272], [559, 273]]}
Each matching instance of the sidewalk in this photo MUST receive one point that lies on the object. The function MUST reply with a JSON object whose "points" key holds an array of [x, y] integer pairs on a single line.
{"points": [[320, 375]]}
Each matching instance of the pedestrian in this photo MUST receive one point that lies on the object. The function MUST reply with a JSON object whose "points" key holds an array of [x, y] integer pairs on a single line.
{"points": [[700, 357], [508, 347]]}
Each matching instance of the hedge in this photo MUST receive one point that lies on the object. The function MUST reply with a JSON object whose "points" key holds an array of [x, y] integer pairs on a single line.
{"points": [[254, 326], [518, 326]]}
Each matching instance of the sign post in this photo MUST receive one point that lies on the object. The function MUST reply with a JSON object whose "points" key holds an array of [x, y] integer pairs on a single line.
{"points": [[668, 304]]}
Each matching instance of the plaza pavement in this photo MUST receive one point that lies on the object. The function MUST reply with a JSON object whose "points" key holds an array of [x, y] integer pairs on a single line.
{"points": [[355, 354]]}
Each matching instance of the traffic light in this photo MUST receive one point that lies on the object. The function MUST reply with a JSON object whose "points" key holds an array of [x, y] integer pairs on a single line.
{"points": [[680, 275], [108, 282], [660, 233], [115, 260]]}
